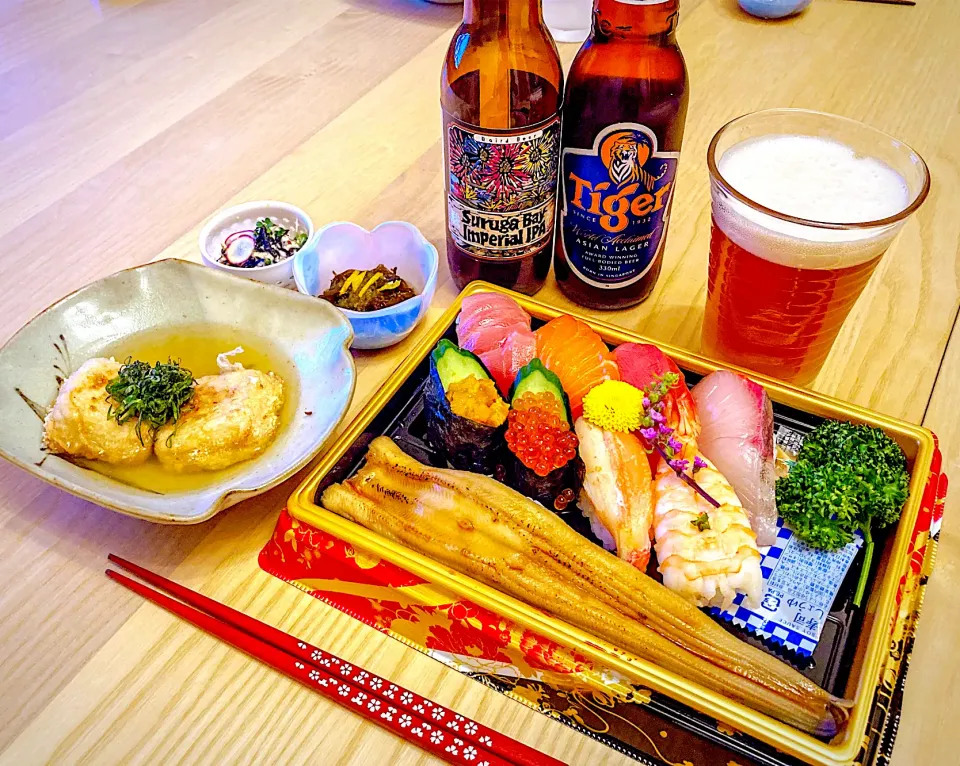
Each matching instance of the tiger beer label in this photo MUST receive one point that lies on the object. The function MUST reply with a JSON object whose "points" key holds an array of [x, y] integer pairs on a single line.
{"points": [[616, 202], [502, 188]]}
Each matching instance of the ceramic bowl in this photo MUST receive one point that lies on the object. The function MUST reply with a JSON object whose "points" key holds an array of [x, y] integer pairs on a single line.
{"points": [[243, 217], [396, 244], [311, 337]]}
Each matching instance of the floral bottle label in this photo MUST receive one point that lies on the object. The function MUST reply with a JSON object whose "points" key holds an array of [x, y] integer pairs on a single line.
{"points": [[501, 188], [616, 203]]}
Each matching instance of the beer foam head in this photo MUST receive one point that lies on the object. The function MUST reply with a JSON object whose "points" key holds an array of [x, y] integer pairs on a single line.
{"points": [[817, 179]]}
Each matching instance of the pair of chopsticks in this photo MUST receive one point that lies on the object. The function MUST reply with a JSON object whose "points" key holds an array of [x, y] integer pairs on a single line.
{"points": [[441, 732]]}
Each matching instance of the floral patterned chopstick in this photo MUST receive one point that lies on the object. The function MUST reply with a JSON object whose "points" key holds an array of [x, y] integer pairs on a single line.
{"points": [[446, 734]]}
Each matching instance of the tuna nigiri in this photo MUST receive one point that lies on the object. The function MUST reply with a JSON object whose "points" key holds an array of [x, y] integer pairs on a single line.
{"points": [[617, 489], [504, 362], [577, 355], [487, 319], [639, 365], [737, 436]]}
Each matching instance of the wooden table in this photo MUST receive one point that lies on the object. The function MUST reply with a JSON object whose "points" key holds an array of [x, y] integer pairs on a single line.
{"points": [[124, 124]]}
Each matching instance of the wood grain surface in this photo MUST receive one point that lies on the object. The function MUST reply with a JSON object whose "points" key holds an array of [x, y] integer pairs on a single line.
{"points": [[124, 125]]}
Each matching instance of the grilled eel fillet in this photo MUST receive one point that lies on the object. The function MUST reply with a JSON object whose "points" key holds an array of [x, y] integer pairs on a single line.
{"points": [[484, 529]]}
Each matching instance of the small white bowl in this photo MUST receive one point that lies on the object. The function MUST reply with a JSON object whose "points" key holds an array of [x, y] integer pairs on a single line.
{"points": [[246, 216], [341, 246]]}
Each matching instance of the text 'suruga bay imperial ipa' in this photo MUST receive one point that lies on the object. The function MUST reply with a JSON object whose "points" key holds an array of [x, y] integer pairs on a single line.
{"points": [[623, 116], [500, 90]]}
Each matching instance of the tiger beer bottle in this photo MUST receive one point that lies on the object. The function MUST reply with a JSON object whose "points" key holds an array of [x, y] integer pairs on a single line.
{"points": [[624, 110], [500, 93]]}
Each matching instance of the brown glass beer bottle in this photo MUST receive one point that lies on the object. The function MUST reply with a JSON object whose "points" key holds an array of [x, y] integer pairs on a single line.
{"points": [[624, 111], [500, 92]]}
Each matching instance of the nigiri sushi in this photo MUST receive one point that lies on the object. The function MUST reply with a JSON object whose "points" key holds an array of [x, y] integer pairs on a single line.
{"points": [[640, 364], [706, 554], [464, 411], [617, 489], [505, 361], [736, 435], [577, 355], [487, 319]]}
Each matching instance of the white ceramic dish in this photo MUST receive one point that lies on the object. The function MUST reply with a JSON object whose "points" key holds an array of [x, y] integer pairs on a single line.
{"points": [[396, 244], [245, 216], [311, 335]]}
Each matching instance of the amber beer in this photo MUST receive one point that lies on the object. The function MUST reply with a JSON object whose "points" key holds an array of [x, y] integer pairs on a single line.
{"points": [[804, 205], [500, 93], [624, 111]]}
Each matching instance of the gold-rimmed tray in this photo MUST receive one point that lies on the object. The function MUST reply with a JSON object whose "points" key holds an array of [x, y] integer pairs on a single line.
{"points": [[871, 646]]}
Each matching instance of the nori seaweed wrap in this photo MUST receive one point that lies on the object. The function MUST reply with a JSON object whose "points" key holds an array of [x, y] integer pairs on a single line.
{"points": [[467, 443], [555, 491]]}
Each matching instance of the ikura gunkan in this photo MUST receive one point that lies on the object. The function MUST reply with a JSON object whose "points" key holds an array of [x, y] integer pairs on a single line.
{"points": [[543, 462]]}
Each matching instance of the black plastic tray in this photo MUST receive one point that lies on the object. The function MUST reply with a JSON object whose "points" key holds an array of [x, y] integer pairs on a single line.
{"points": [[403, 420]]}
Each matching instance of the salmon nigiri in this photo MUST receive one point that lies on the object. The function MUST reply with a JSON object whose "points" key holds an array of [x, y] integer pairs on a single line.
{"points": [[577, 355], [618, 489]]}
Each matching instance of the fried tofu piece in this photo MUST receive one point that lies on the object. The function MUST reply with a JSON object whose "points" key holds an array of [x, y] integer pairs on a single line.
{"points": [[231, 417], [79, 424]]}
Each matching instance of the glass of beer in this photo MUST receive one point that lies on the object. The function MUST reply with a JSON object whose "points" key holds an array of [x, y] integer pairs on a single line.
{"points": [[804, 204]]}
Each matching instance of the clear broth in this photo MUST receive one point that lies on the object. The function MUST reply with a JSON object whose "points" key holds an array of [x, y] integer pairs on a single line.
{"points": [[196, 347]]}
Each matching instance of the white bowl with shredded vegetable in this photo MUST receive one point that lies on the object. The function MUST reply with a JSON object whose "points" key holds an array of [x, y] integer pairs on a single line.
{"points": [[343, 248], [257, 240]]}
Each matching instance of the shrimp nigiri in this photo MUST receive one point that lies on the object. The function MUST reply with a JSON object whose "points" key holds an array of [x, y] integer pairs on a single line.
{"points": [[617, 489], [706, 554]]}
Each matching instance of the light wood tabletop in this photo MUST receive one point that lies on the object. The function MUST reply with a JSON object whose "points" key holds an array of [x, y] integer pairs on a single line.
{"points": [[125, 123]]}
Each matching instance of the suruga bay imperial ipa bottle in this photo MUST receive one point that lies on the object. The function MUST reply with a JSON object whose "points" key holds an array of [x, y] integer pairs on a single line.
{"points": [[624, 111], [500, 92]]}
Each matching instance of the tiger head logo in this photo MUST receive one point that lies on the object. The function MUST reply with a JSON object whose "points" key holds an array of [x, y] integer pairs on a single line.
{"points": [[624, 156]]}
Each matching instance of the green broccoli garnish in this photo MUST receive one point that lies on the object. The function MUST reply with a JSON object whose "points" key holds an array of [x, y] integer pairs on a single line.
{"points": [[847, 477]]}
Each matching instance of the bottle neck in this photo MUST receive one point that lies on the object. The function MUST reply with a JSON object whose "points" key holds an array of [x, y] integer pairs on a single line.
{"points": [[502, 13], [635, 20]]}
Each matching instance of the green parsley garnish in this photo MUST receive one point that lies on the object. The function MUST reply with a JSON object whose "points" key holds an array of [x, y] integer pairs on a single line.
{"points": [[153, 395], [702, 522], [847, 477]]}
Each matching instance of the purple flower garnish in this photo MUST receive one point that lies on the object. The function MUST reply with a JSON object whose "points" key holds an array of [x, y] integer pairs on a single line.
{"points": [[664, 430], [698, 463], [646, 403], [674, 444], [657, 416], [650, 434], [680, 465]]}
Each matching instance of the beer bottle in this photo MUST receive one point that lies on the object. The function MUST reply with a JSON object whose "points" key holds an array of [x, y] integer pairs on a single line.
{"points": [[500, 93], [624, 110]]}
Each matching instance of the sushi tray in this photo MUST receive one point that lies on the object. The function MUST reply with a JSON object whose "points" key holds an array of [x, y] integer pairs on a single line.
{"points": [[532, 606]]}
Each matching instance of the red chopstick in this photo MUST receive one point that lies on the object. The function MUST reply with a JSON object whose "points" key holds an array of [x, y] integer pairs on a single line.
{"points": [[442, 732]]}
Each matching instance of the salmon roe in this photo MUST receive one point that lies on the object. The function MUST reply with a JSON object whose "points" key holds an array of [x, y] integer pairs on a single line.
{"points": [[539, 438]]}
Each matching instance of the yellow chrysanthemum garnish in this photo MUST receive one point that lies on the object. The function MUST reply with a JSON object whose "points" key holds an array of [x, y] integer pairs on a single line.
{"points": [[614, 406]]}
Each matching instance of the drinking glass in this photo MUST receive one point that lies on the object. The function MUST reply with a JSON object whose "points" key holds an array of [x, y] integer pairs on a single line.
{"points": [[781, 285]]}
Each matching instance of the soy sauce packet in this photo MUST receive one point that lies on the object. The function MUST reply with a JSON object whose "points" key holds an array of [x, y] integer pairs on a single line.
{"points": [[800, 584]]}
